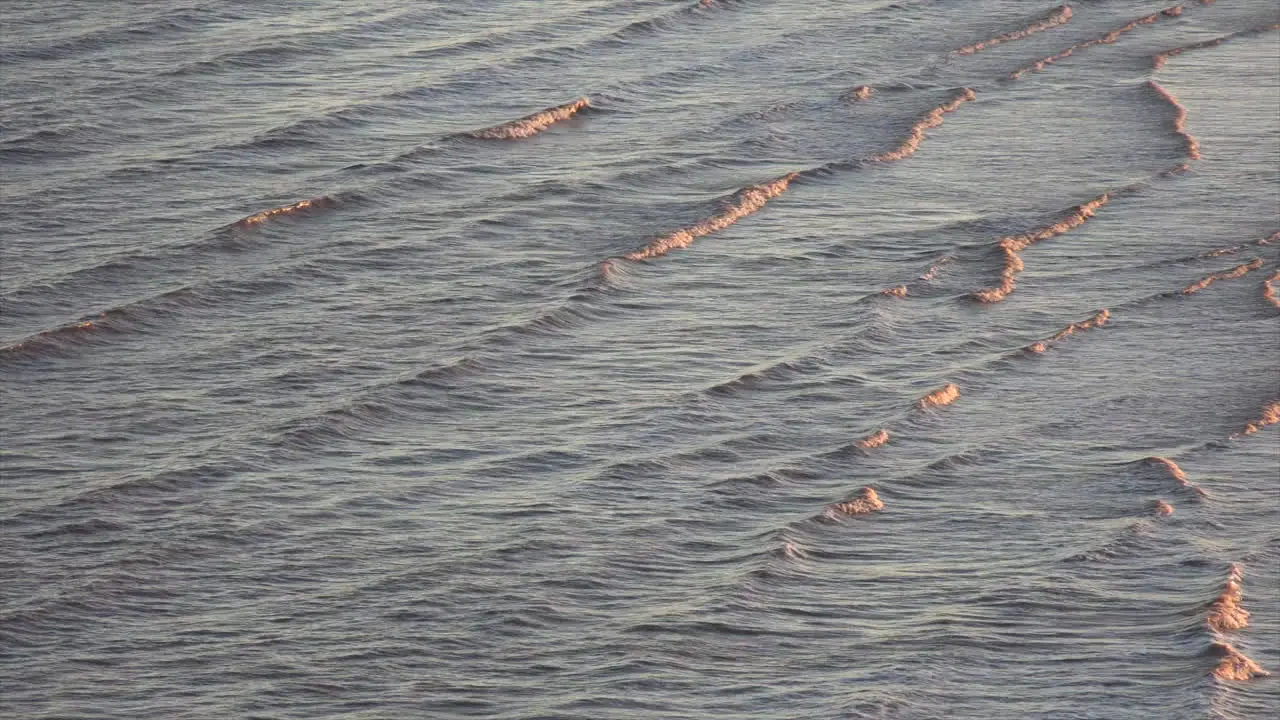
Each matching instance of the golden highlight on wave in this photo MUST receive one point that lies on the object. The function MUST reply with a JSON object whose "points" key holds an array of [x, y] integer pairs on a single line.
{"points": [[743, 203], [1235, 665], [861, 92], [1106, 39], [1098, 320], [531, 125], [1226, 613], [944, 395], [1179, 119], [1058, 16], [1269, 292], [865, 503], [874, 440], [1011, 245], [1163, 509], [931, 119], [1270, 415], [1171, 467], [258, 218], [1159, 59], [1233, 273]]}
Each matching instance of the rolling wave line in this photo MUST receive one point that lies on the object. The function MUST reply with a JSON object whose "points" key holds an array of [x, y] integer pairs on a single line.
{"points": [[532, 124], [931, 119], [1058, 16], [1179, 119], [1010, 246], [1098, 320], [1269, 292], [745, 202], [1106, 39], [1159, 59], [258, 218], [1233, 273]]}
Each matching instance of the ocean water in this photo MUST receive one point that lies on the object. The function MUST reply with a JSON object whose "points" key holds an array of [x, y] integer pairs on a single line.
{"points": [[639, 359]]}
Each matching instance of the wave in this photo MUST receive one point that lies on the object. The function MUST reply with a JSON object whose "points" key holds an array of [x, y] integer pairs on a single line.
{"points": [[1011, 245], [1159, 59], [531, 125], [944, 395], [1108, 38], [1179, 119], [1235, 665], [1270, 415], [258, 218], [931, 119], [1269, 290], [874, 440], [861, 92], [899, 291], [743, 203], [1226, 613], [1098, 320], [1172, 470], [866, 502], [1058, 16], [1235, 272], [1163, 509]]}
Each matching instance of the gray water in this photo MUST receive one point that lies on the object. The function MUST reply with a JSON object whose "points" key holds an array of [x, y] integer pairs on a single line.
{"points": [[435, 447]]}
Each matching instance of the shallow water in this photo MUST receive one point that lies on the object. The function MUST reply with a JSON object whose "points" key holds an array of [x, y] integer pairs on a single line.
{"points": [[332, 388]]}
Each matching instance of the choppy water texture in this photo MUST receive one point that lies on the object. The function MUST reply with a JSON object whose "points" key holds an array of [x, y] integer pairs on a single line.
{"points": [[647, 359]]}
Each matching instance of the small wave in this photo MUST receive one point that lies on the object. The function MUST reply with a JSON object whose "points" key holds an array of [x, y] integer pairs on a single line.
{"points": [[944, 395], [1269, 292], [258, 218], [1163, 509], [1235, 665], [1270, 416], [1171, 467], [1179, 119], [1106, 39], [1058, 16], [1098, 320], [531, 125], [874, 440], [866, 502], [1226, 613], [899, 291], [743, 203], [1011, 245], [931, 119], [861, 92], [1233, 273], [935, 269], [1159, 59]]}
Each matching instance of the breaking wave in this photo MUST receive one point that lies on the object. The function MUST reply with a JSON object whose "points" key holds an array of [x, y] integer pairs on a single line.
{"points": [[866, 502], [1098, 320], [874, 440], [1108, 38], [1269, 292], [1058, 16], [1179, 119], [1226, 613], [1270, 415], [531, 125], [1012, 245], [258, 218], [1233, 273], [1159, 59], [931, 119], [944, 395], [743, 203]]}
